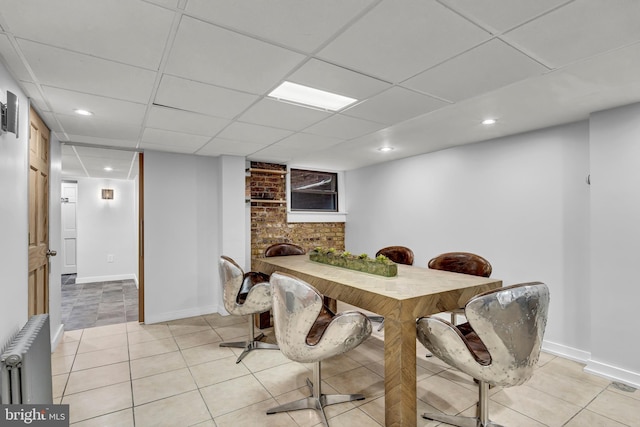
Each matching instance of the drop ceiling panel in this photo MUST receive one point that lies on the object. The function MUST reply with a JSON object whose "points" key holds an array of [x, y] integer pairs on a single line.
{"points": [[202, 98], [132, 32], [222, 146], [395, 105], [276, 154], [344, 127], [500, 15], [322, 75], [247, 132], [107, 78], [300, 25], [186, 141], [270, 112], [116, 111], [97, 128], [482, 69], [211, 54], [104, 142], [308, 142], [399, 39], [578, 30], [184, 121], [12, 60]]}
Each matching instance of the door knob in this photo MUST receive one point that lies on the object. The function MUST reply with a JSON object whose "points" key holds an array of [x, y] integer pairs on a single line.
{"points": [[51, 253]]}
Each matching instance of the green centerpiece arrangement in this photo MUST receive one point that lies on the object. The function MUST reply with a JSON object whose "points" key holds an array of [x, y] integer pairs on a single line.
{"points": [[380, 265]]}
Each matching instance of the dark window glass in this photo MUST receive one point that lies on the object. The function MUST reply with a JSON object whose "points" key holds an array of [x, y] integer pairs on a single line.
{"points": [[314, 191]]}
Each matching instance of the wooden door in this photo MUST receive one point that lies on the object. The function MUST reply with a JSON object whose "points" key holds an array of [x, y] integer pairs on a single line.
{"points": [[38, 215], [69, 228]]}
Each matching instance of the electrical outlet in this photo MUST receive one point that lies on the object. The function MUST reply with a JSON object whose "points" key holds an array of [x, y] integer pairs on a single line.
{"points": [[110, 258]]}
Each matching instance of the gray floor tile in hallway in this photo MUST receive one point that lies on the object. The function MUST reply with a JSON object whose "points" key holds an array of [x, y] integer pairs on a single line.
{"points": [[87, 305]]}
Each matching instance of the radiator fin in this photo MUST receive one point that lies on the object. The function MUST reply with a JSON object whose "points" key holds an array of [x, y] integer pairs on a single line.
{"points": [[25, 365]]}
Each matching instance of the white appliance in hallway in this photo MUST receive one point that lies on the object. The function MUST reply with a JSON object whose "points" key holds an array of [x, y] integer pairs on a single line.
{"points": [[69, 227]]}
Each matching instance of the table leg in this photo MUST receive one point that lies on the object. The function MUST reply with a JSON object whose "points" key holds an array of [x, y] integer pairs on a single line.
{"points": [[400, 373]]}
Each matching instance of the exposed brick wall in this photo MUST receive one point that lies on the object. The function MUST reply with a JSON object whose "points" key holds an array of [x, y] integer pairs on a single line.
{"points": [[269, 221]]}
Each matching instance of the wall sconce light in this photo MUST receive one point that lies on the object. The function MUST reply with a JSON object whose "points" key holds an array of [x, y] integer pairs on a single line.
{"points": [[9, 114], [107, 193]]}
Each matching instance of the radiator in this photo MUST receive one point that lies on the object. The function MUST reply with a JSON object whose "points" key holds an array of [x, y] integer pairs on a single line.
{"points": [[25, 365]]}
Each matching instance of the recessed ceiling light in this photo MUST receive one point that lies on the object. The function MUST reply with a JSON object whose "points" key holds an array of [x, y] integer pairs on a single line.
{"points": [[308, 96], [385, 149], [488, 121], [108, 168], [83, 112]]}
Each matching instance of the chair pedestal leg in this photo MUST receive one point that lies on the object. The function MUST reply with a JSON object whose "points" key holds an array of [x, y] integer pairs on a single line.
{"points": [[482, 420], [253, 344], [316, 400]]}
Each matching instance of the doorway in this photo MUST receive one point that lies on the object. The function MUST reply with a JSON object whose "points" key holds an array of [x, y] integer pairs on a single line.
{"points": [[100, 283]]}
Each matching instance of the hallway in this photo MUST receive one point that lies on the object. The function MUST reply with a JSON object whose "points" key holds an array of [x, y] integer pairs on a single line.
{"points": [[97, 304]]}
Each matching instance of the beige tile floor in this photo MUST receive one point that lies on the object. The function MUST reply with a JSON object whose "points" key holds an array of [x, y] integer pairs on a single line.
{"points": [[175, 374]]}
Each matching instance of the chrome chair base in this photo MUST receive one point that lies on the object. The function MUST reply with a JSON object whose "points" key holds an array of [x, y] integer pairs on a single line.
{"points": [[377, 319], [482, 420], [253, 344], [316, 401], [456, 420]]}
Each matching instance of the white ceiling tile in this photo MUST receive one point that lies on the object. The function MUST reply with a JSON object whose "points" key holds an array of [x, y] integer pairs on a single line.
{"points": [[276, 154], [211, 54], [270, 112], [117, 111], [12, 60], [166, 137], [480, 70], [247, 132], [301, 25], [343, 127], [324, 76], [202, 98], [399, 39], [98, 128], [132, 32], [395, 105], [578, 30], [166, 3], [85, 73], [222, 146], [105, 142], [174, 148], [500, 15], [308, 142], [184, 121]]}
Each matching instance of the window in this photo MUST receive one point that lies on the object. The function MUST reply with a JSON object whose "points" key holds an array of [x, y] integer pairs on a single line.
{"points": [[314, 191]]}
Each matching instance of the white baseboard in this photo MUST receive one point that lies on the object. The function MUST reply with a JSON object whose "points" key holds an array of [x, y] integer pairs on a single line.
{"points": [[57, 337], [613, 373], [603, 370], [180, 314], [92, 279], [566, 352]]}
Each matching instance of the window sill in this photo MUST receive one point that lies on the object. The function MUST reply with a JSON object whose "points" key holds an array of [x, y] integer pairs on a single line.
{"points": [[316, 216]]}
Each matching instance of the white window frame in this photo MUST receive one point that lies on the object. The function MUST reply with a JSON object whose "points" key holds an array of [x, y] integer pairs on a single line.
{"points": [[315, 216]]}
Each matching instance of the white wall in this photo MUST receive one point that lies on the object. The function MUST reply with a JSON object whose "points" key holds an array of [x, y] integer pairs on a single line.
{"points": [[181, 226], [523, 203], [106, 227], [615, 244], [14, 208]]}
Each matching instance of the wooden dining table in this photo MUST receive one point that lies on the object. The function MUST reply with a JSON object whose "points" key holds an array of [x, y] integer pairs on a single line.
{"points": [[414, 292]]}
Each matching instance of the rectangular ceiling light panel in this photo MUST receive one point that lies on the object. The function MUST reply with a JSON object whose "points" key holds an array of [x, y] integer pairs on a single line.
{"points": [[308, 96]]}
